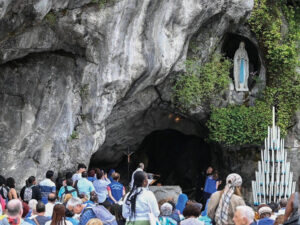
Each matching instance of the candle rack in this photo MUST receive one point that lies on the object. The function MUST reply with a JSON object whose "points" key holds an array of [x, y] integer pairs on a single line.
{"points": [[274, 179]]}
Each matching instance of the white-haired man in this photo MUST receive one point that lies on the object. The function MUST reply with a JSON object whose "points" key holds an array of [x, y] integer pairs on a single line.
{"points": [[140, 168], [244, 215], [13, 214], [76, 206]]}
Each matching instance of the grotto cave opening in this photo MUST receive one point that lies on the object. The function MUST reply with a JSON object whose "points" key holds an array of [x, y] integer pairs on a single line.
{"points": [[177, 157], [231, 43]]}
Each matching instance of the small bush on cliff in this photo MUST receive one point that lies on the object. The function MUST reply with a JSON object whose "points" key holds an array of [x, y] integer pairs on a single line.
{"points": [[103, 3], [74, 135], [50, 18], [201, 83], [239, 125]]}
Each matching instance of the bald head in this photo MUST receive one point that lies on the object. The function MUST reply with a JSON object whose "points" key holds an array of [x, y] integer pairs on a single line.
{"points": [[52, 197], [14, 208], [142, 166]]}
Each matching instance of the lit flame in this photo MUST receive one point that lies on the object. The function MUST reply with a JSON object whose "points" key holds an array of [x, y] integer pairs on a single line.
{"points": [[177, 119]]}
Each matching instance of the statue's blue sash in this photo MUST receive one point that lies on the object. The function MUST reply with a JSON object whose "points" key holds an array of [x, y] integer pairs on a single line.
{"points": [[242, 72]]}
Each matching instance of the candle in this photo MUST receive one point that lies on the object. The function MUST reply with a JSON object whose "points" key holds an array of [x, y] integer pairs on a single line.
{"points": [[278, 172], [275, 191], [264, 191], [263, 167], [271, 140], [294, 187], [273, 125], [268, 138], [280, 189], [253, 192], [290, 184], [287, 173], [263, 176]]}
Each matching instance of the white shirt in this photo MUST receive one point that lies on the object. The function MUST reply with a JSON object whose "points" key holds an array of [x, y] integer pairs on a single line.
{"points": [[191, 221], [76, 176], [145, 203], [49, 209], [132, 177]]}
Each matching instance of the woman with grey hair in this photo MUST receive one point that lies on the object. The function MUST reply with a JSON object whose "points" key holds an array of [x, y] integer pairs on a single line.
{"points": [[223, 204], [244, 215], [166, 210]]}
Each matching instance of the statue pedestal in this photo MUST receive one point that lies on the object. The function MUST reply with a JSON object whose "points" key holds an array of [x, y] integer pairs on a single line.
{"points": [[165, 192]]}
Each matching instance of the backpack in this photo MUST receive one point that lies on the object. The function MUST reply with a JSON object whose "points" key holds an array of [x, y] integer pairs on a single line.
{"points": [[2, 203], [4, 192], [28, 194], [103, 214], [67, 192]]}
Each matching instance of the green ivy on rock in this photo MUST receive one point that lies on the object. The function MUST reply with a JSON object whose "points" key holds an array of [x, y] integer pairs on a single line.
{"points": [[239, 125], [201, 83]]}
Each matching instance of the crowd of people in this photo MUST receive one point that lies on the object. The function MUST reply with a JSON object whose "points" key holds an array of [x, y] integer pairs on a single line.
{"points": [[98, 198]]}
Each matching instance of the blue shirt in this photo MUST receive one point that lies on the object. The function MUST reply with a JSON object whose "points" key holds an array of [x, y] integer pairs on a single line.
{"points": [[86, 215], [210, 185], [85, 186], [69, 188], [92, 179], [265, 221], [46, 186], [72, 220], [116, 189], [101, 189]]}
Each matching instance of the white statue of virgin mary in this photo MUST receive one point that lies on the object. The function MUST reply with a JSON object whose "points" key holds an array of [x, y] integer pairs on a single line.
{"points": [[241, 68]]}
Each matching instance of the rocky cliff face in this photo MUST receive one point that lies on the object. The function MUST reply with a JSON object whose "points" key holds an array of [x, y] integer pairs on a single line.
{"points": [[73, 75]]}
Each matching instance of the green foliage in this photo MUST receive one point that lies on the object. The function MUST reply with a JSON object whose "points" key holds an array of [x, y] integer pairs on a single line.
{"points": [[84, 91], [50, 18], [74, 135], [268, 21], [201, 83], [239, 125], [103, 3]]}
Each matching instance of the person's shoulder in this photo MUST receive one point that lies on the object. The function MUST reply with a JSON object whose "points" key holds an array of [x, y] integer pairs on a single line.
{"points": [[237, 197], [147, 193], [26, 223], [48, 222], [216, 194], [69, 222], [35, 187], [43, 182]]}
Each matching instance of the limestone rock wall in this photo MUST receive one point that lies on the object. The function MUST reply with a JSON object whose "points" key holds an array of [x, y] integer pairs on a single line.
{"points": [[68, 67]]}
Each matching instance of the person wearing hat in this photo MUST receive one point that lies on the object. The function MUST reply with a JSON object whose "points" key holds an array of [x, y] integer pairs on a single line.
{"points": [[223, 204], [265, 212]]}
